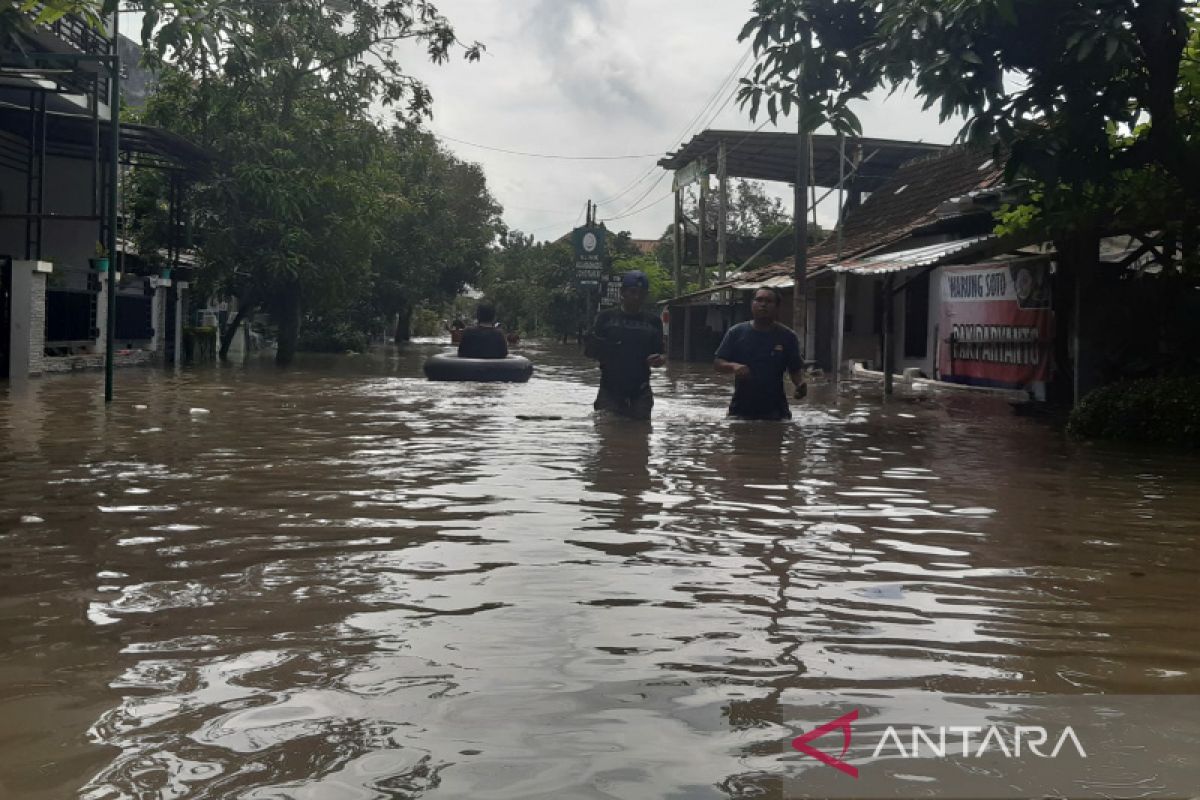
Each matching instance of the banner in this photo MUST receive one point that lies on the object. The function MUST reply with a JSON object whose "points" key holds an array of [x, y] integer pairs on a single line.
{"points": [[997, 326]]}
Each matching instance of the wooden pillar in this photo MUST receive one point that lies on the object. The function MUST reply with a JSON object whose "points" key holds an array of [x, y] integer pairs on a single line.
{"points": [[701, 224], [687, 333], [800, 221], [723, 209], [839, 323], [889, 343], [178, 332], [678, 241]]}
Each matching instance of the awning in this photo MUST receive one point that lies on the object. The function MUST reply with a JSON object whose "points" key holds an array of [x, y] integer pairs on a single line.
{"points": [[778, 282], [930, 255]]}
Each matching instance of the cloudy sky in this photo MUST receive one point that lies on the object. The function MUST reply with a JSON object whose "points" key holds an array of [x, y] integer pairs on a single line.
{"points": [[603, 78]]}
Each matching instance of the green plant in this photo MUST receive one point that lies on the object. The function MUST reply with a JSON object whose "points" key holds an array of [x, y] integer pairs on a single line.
{"points": [[1155, 410]]}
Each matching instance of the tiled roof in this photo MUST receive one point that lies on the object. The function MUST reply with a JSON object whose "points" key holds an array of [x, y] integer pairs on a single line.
{"points": [[906, 202]]}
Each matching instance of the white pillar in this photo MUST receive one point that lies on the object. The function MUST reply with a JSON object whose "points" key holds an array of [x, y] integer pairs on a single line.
{"points": [[158, 313], [839, 323], [27, 331]]}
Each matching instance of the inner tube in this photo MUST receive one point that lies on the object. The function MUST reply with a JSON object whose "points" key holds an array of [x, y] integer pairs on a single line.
{"points": [[447, 367]]}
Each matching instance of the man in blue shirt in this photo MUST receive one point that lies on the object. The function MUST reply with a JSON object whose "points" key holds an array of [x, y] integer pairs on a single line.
{"points": [[757, 353], [627, 342]]}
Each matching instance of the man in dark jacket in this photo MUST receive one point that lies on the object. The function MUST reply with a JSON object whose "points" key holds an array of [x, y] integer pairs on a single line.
{"points": [[627, 342], [484, 340]]}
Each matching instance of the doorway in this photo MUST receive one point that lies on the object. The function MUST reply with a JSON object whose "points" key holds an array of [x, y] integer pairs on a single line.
{"points": [[5, 314]]}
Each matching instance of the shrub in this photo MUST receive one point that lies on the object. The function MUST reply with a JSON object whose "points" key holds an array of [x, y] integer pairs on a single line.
{"points": [[1161, 410], [335, 337]]}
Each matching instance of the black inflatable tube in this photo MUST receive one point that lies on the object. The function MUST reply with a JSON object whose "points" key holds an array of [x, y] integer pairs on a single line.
{"points": [[446, 367]]}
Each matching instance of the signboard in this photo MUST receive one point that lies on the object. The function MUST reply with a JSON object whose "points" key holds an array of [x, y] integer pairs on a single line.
{"points": [[689, 174], [591, 252], [612, 292], [997, 327]]}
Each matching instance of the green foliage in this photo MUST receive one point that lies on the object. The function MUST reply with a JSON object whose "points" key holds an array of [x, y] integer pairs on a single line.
{"points": [[438, 236], [662, 285], [1085, 80], [426, 322], [313, 204], [331, 336], [1152, 410], [533, 285]]}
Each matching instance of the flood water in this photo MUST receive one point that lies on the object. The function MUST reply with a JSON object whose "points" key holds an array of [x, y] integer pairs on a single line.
{"points": [[342, 581]]}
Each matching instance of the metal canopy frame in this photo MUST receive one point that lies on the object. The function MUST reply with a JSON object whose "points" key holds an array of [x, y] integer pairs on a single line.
{"points": [[73, 136], [771, 156]]}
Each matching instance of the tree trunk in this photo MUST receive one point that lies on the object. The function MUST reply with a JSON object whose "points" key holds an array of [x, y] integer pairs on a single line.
{"points": [[287, 309], [231, 329], [1077, 250], [403, 324]]}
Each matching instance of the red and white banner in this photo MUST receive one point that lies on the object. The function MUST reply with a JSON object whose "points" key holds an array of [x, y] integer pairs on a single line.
{"points": [[997, 327]]}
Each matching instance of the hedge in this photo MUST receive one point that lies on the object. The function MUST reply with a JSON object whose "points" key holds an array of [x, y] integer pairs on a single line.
{"points": [[1157, 410]]}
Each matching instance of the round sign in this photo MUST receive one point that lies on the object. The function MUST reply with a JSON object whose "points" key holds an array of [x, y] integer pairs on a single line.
{"points": [[589, 241]]}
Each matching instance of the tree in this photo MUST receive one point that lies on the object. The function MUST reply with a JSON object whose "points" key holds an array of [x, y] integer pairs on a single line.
{"points": [[533, 283], [281, 94], [1091, 101], [438, 239], [1078, 73]]}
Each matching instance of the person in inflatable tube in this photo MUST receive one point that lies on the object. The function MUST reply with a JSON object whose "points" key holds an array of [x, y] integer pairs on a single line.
{"points": [[484, 339], [627, 342]]}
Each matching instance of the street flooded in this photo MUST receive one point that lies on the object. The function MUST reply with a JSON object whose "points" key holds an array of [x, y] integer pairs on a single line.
{"points": [[343, 581]]}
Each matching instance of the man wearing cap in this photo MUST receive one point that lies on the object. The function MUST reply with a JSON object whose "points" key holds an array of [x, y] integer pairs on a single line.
{"points": [[757, 354], [627, 342]]}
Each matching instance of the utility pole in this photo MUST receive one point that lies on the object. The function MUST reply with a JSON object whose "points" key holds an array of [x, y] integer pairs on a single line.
{"points": [[114, 197], [701, 225], [722, 208], [800, 217], [678, 241]]}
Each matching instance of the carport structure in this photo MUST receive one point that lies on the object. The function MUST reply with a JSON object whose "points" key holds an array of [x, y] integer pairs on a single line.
{"points": [[851, 166]]}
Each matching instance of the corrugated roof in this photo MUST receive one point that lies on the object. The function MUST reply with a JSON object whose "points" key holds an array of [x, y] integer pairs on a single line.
{"points": [[778, 282], [907, 202], [899, 260]]}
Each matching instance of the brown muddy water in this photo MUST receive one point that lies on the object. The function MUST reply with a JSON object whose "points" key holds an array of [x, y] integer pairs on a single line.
{"points": [[342, 581]]}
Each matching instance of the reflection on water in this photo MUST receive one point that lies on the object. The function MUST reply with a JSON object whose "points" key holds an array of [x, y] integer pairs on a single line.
{"points": [[343, 581]]}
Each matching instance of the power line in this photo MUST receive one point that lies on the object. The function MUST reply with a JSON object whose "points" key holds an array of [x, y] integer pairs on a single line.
{"points": [[728, 83], [643, 208], [731, 75], [546, 155]]}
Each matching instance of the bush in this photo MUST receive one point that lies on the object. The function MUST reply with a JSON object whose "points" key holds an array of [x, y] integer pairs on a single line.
{"points": [[1161, 410], [336, 337]]}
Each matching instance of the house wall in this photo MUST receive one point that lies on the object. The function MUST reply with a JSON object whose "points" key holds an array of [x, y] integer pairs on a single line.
{"points": [[862, 324]]}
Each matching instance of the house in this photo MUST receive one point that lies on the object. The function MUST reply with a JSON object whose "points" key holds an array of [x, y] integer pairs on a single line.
{"points": [[56, 223], [906, 207]]}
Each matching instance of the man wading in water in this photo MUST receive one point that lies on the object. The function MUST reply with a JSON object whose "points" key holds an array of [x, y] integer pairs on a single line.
{"points": [[758, 353], [627, 342]]}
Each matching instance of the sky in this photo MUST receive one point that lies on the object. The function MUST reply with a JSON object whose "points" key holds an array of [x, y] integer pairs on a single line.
{"points": [[605, 78]]}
